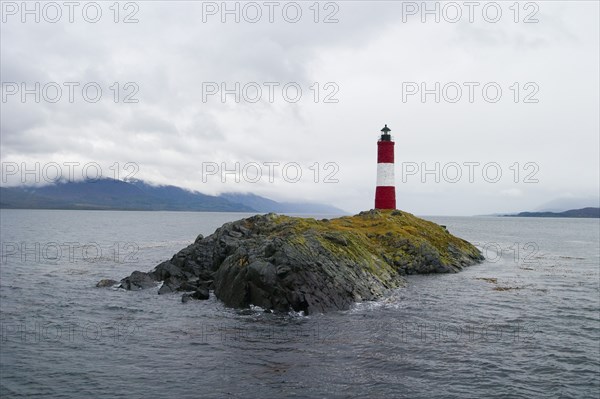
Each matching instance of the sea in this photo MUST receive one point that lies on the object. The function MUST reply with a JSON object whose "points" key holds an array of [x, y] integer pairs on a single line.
{"points": [[523, 324]]}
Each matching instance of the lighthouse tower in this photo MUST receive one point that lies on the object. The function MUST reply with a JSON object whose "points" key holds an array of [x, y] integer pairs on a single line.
{"points": [[385, 193]]}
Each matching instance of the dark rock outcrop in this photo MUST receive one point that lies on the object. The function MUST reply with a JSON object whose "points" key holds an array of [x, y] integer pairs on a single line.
{"points": [[285, 263], [106, 283], [138, 281], [201, 294]]}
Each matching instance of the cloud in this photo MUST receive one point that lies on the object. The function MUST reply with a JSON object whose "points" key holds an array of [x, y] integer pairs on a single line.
{"points": [[511, 192], [362, 62]]}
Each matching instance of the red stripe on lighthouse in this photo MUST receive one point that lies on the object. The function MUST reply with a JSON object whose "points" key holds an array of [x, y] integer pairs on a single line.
{"points": [[385, 197], [385, 152]]}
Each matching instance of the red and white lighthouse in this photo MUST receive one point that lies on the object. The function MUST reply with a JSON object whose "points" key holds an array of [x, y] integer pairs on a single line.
{"points": [[385, 193]]}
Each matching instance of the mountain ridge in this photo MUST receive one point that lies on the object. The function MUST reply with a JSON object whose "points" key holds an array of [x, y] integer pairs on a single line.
{"points": [[111, 194], [587, 212]]}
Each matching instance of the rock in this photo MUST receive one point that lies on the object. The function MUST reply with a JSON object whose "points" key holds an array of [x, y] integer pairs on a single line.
{"points": [[164, 289], [208, 284], [285, 263], [106, 283], [336, 238], [172, 284], [201, 293], [165, 270], [137, 281], [188, 286]]}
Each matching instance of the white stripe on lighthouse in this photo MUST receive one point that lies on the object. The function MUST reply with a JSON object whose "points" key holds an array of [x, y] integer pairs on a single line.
{"points": [[385, 174]]}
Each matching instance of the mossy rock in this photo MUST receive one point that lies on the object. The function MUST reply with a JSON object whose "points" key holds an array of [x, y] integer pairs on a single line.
{"points": [[303, 264]]}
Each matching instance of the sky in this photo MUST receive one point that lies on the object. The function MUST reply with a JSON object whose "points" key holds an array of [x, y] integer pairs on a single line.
{"points": [[493, 107]]}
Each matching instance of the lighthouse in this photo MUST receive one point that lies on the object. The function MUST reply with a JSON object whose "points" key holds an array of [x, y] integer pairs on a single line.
{"points": [[385, 193]]}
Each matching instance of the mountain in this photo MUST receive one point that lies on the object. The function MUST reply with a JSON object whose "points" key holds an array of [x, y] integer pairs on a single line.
{"points": [[115, 195], [110, 194], [565, 203], [572, 213], [262, 204]]}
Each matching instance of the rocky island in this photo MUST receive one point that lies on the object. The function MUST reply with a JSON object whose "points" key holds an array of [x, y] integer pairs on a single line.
{"points": [[287, 263]]}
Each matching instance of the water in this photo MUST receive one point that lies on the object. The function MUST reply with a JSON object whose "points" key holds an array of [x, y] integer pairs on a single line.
{"points": [[523, 324]]}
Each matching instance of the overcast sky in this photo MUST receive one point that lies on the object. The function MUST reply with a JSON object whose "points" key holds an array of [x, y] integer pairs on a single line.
{"points": [[368, 69]]}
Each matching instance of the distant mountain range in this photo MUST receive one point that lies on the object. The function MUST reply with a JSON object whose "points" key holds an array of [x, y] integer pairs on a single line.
{"points": [[572, 213], [110, 194], [564, 203]]}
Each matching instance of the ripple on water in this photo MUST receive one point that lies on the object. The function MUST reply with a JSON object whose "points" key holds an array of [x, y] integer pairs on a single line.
{"points": [[440, 336]]}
